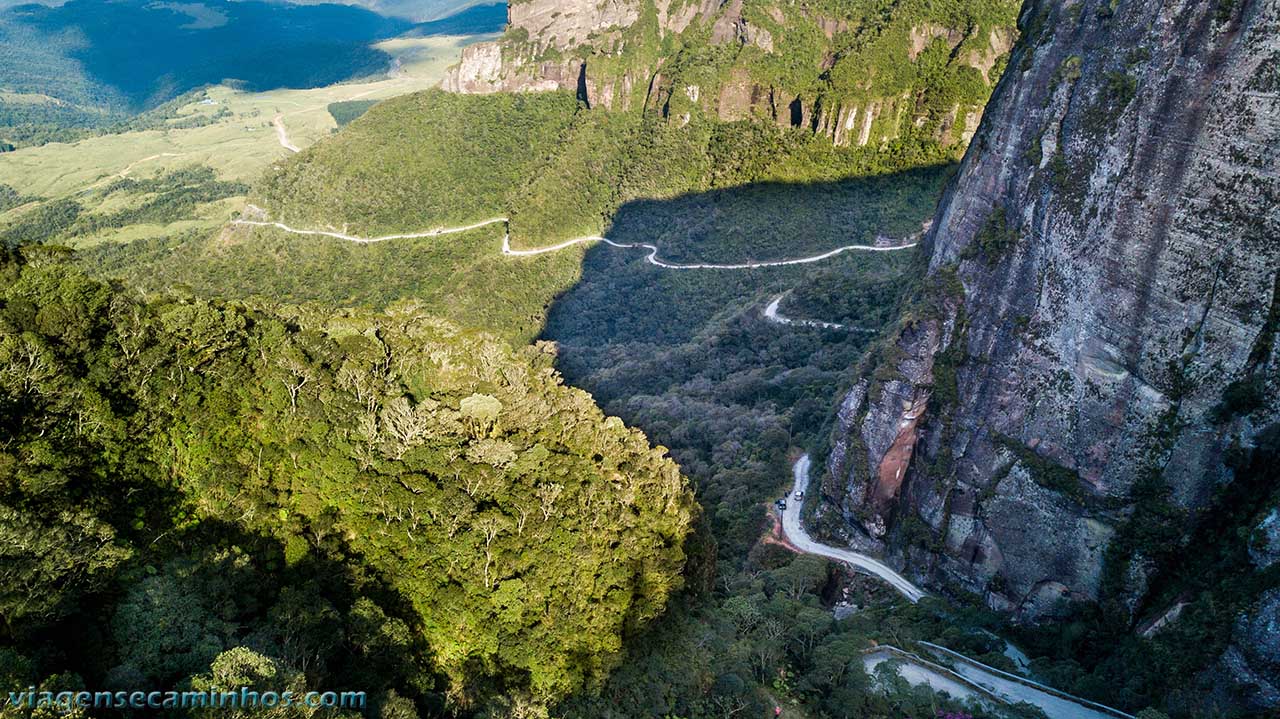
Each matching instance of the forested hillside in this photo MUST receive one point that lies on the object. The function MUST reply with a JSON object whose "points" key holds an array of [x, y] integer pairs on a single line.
{"points": [[425, 160], [336, 498], [559, 170], [720, 192], [464, 279], [639, 103]]}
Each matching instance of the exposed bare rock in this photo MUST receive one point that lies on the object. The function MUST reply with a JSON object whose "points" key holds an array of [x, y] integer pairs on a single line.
{"points": [[868, 117], [1000, 43], [480, 70], [850, 410], [971, 120], [758, 36], [922, 35], [545, 25], [1264, 549], [831, 26], [1103, 268], [565, 23], [729, 25], [735, 97], [843, 124], [1022, 514], [872, 463], [1248, 673], [550, 42], [685, 14]]}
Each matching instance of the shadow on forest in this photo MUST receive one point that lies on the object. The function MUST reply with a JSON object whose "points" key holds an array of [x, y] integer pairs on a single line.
{"points": [[621, 298], [686, 356], [216, 586]]}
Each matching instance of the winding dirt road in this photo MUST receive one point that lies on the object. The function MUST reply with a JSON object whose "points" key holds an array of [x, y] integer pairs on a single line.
{"points": [[967, 675], [796, 534], [772, 314], [366, 240], [653, 259], [282, 134], [652, 256]]}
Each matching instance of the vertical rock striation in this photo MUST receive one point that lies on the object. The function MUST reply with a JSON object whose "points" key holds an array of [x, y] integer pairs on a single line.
{"points": [[1099, 325], [856, 75]]}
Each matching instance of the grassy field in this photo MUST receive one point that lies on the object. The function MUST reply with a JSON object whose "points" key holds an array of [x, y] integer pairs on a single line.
{"points": [[239, 144]]}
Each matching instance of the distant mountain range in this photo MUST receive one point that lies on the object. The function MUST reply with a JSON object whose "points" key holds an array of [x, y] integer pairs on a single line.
{"points": [[84, 62], [415, 10]]}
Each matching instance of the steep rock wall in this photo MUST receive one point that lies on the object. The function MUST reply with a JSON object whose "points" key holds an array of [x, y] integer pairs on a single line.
{"points": [[1098, 327], [856, 76]]}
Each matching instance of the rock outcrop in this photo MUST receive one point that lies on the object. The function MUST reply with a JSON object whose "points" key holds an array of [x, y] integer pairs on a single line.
{"points": [[565, 24], [1097, 329], [1248, 674], [619, 55], [1264, 549], [483, 69]]}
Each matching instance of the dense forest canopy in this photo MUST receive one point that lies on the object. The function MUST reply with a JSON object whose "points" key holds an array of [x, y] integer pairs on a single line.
{"points": [[186, 471]]}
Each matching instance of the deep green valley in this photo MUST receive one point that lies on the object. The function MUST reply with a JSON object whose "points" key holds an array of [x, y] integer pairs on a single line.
{"points": [[824, 360]]}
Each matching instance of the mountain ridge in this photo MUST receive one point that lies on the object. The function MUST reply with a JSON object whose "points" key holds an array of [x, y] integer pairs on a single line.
{"points": [[837, 70]]}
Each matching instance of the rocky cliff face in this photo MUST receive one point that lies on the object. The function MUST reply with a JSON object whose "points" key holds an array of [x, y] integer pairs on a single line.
{"points": [[1099, 328], [1253, 659], [860, 78], [531, 58]]}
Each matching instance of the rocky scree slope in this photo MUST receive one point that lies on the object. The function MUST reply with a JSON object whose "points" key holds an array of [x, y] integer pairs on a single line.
{"points": [[860, 75], [1099, 336]]}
